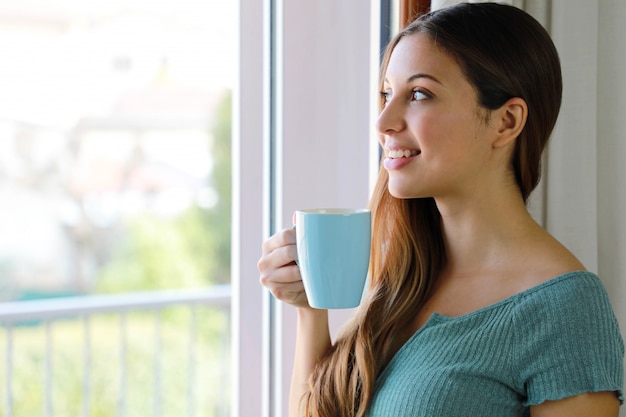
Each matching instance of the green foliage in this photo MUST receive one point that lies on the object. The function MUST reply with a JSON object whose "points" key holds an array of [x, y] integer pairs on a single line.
{"points": [[160, 253], [189, 251]]}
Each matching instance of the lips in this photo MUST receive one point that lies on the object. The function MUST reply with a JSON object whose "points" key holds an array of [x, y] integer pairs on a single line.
{"points": [[399, 158]]}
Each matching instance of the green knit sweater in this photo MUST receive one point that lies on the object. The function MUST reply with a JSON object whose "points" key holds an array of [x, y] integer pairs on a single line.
{"points": [[552, 341]]}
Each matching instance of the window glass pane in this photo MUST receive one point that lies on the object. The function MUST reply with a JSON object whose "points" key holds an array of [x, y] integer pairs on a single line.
{"points": [[114, 145], [115, 137]]}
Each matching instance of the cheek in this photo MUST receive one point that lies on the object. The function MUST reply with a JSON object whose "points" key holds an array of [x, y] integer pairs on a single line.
{"points": [[451, 130], [435, 133], [427, 128]]}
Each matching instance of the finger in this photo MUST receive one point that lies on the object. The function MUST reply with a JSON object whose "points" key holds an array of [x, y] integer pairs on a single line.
{"points": [[278, 258], [291, 293], [285, 275], [279, 239]]}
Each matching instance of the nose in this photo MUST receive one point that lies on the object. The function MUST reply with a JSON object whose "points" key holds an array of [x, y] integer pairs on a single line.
{"points": [[391, 118]]}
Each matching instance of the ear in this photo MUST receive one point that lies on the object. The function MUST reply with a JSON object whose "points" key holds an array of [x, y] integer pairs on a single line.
{"points": [[509, 121]]}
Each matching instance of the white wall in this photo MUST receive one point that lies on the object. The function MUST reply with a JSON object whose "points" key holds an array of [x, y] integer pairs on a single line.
{"points": [[325, 105]]}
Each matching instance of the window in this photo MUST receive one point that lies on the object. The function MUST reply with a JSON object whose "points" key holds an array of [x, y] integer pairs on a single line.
{"points": [[115, 177]]}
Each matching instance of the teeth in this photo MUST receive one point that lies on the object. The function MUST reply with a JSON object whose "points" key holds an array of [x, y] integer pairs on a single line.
{"points": [[401, 153]]}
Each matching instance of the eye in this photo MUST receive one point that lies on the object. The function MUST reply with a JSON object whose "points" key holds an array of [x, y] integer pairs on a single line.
{"points": [[385, 96], [419, 95]]}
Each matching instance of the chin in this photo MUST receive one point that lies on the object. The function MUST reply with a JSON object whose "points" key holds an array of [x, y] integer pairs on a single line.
{"points": [[402, 193], [407, 190]]}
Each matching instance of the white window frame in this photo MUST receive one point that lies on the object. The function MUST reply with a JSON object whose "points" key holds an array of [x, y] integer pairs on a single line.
{"points": [[247, 216], [323, 155]]}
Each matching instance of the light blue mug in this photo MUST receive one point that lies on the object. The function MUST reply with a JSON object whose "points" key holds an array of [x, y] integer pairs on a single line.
{"points": [[333, 255]]}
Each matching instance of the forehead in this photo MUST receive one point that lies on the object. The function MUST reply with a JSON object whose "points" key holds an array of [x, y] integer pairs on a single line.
{"points": [[418, 53]]}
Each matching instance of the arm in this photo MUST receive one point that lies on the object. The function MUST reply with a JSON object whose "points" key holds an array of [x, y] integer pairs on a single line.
{"points": [[312, 341], [596, 404], [280, 274]]}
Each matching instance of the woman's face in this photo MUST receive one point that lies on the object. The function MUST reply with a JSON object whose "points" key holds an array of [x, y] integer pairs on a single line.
{"points": [[432, 130]]}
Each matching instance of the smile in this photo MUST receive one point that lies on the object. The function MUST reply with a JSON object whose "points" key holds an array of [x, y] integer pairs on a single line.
{"points": [[401, 153]]}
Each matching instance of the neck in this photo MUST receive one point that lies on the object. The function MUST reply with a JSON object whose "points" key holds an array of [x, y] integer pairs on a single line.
{"points": [[480, 231]]}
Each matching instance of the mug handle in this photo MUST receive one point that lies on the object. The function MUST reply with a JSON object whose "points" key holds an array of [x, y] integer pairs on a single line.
{"points": [[294, 228]]}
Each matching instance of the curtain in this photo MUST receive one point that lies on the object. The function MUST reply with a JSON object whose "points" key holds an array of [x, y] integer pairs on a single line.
{"points": [[585, 179], [581, 199]]}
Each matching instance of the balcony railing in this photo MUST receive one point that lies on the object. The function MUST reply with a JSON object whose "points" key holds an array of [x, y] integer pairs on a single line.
{"points": [[169, 318]]}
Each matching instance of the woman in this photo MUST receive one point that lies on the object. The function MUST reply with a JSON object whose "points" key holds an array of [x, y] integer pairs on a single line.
{"points": [[473, 309]]}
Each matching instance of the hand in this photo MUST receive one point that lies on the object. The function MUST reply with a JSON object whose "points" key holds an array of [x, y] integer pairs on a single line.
{"points": [[279, 272]]}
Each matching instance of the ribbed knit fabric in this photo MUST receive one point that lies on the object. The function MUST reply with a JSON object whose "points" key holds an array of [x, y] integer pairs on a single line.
{"points": [[553, 341]]}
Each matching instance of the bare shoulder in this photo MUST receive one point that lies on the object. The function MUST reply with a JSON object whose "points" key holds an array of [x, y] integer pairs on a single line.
{"points": [[543, 258]]}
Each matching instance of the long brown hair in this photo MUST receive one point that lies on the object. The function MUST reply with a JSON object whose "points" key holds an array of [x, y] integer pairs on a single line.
{"points": [[504, 53]]}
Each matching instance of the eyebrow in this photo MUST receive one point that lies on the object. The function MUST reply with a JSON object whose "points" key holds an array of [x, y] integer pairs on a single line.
{"points": [[421, 75], [418, 76]]}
